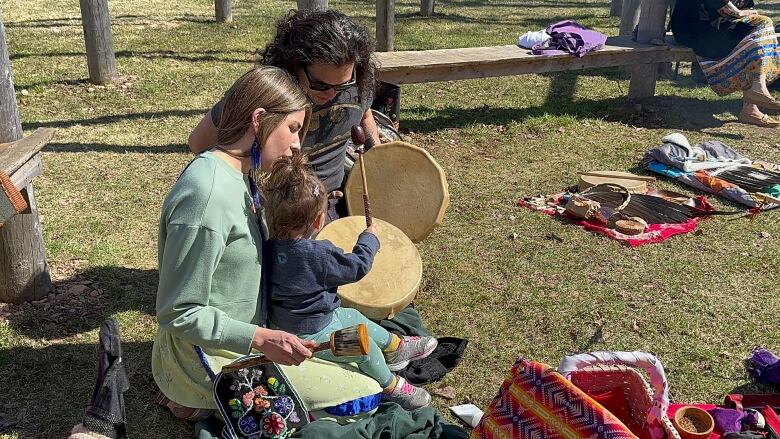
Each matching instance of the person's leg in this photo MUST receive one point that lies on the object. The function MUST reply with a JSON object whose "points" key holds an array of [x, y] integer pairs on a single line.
{"points": [[181, 412], [398, 351], [373, 364]]}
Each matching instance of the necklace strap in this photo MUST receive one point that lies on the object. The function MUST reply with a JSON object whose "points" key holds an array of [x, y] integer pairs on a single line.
{"points": [[233, 154]]}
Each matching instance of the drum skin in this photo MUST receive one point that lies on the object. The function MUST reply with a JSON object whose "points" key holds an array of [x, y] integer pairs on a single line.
{"points": [[406, 187], [395, 275], [617, 177]]}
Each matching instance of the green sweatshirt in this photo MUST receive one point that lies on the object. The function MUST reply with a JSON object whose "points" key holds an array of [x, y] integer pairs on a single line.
{"points": [[209, 257], [208, 293]]}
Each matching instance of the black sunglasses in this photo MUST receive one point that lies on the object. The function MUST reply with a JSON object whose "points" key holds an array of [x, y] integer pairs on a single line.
{"points": [[322, 86]]}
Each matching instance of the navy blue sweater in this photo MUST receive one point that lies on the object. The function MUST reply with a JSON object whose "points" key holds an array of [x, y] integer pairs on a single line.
{"points": [[304, 275]]}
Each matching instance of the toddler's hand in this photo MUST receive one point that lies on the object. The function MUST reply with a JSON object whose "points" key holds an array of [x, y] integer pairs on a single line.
{"points": [[372, 230]]}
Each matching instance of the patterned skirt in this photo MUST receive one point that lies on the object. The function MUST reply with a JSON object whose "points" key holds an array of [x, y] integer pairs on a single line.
{"points": [[757, 54]]}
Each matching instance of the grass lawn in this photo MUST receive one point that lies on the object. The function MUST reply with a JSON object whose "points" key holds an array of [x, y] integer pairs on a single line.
{"points": [[700, 302]]}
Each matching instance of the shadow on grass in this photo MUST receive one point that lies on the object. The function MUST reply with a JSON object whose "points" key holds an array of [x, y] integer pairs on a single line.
{"points": [[104, 120], [51, 385], [115, 20], [204, 56], [83, 302], [170, 148], [671, 112], [551, 4], [519, 23]]}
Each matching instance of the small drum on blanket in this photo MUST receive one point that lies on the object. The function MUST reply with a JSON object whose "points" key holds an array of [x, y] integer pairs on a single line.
{"points": [[408, 188], [636, 184], [395, 276]]}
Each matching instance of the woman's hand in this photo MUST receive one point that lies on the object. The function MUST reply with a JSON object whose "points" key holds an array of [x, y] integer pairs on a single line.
{"points": [[282, 347], [747, 12]]}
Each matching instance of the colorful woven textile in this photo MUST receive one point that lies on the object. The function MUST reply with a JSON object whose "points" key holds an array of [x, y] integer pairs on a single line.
{"points": [[706, 166], [537, 402], [756, 54]]}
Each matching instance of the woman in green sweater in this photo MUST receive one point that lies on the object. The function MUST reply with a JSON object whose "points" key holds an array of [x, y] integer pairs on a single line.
{"points": [[209, 309]]}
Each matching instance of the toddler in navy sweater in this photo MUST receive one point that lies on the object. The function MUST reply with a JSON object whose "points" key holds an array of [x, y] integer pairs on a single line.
{"points": [[304, 275]]}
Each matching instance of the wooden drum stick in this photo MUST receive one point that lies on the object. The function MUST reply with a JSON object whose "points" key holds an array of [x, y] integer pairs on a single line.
{"points": [[359, 139]]}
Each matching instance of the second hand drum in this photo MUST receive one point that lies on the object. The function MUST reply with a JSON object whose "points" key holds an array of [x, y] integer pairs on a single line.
{"points": [[395, 276], [408, 188]]}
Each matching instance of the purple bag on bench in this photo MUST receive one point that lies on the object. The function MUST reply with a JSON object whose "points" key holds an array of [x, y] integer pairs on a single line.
{"points": [[570, 37]]}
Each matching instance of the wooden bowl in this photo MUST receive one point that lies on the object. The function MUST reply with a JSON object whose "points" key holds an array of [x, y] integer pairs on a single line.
{"points": [[693, 423]]}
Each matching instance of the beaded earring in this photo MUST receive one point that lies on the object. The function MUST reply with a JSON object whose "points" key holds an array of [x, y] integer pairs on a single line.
{"points": [[254, 155]]}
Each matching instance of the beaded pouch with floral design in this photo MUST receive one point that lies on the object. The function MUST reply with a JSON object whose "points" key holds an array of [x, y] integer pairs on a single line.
{"points": [[258, 403]]}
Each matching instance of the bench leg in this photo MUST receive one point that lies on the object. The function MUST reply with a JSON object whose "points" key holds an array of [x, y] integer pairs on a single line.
{"points": [[24, 271], [642, 84]]}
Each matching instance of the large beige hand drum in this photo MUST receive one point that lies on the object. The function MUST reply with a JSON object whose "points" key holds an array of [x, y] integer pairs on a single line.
{"points": [[408, 188], [395, 275]]}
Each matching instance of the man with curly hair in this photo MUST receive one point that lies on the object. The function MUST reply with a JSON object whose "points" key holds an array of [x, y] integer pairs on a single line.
{"points": [[332, 57]]}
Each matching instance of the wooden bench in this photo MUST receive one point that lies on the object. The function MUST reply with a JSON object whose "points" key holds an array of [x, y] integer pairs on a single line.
{"points": [[21, 160], [411, 67]]}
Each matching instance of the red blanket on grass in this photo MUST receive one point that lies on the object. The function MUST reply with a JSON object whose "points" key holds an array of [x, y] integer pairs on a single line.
{"points": [[654, 234]]}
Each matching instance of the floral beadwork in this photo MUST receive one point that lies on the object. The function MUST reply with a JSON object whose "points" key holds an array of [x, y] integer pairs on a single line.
{"points": [[248, 425], [277, 387], [273, 424], [260, 406], [261, 391], [284, 405]]}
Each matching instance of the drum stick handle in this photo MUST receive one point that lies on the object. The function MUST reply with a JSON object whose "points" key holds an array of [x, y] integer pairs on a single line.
{"points": [[359, 138], [366, 203], [260, 360]]}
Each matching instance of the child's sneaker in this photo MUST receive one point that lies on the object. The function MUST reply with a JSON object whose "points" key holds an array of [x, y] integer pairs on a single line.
{"points": [[408, 396], [411, 348]]}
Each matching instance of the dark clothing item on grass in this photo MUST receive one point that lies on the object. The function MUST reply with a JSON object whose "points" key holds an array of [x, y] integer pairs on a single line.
{"points": [[105, 413]]}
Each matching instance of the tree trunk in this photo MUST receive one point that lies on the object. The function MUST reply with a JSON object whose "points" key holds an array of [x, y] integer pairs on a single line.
{"points": [[314, 5], [385, 25], [24, 273], [97, 37], [615, 8], [651, 26], [426, 8]]}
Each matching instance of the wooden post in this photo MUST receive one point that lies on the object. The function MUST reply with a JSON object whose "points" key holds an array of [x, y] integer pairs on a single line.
{"points": [[314, 5], [223, 11], [97, 37], [615, 8], [10, 126], [426, 8], [629, 16], [651, 26], [24, 272], [385, 25]]}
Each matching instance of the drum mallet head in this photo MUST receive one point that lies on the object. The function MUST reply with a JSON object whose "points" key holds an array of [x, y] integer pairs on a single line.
{"points": [[347, 342], [359, 138]]}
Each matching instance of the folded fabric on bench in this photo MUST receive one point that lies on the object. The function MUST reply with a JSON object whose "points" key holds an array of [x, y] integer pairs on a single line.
{"points": [[570, 37]]}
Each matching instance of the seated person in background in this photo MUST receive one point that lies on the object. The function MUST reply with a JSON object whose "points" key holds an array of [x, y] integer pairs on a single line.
{"points": [[737, 50], [304, 275]]}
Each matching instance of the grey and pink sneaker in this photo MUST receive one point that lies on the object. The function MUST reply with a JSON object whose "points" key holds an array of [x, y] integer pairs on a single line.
{"points": [[408, 396], [410, 349]]}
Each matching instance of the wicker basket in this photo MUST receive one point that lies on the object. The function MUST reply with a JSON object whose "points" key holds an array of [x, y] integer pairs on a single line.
{"points": [[637, 393]]}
